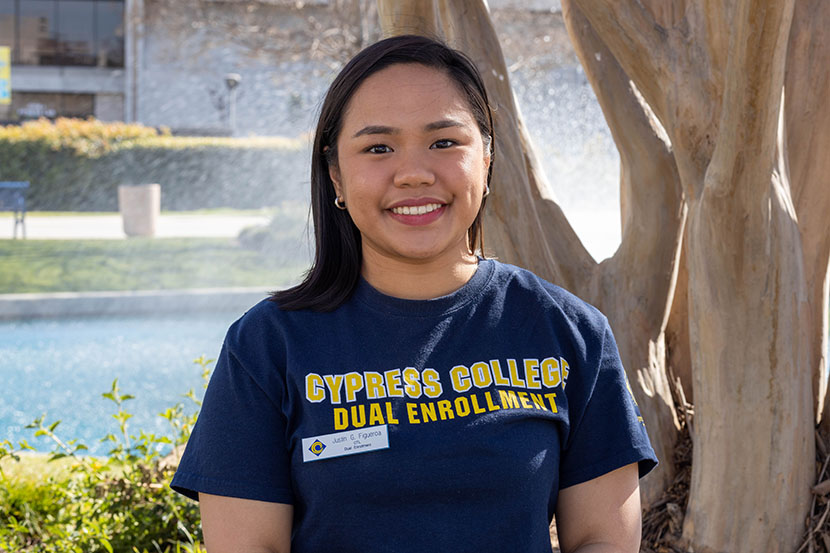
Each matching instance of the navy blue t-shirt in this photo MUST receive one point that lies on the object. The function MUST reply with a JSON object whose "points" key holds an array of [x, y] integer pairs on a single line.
{"points": [[404, 425]]}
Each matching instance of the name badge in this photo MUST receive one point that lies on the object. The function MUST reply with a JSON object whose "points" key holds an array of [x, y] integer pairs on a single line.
{"points": [[361, 440]]}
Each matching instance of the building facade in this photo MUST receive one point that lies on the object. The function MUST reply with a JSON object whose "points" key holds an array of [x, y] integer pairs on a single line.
{"points": [[68, 58], [165, 62]]}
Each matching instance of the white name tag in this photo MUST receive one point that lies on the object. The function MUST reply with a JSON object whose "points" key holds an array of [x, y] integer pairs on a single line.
{"points": [[361, 440]]}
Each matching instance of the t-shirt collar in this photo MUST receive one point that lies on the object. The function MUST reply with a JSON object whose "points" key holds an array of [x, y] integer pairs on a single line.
{"points": [[368, 295]]}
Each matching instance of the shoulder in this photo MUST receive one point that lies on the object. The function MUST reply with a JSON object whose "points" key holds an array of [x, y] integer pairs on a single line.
{"points": [[266, 326], [260, 328], [255, 320], [529, 291]]}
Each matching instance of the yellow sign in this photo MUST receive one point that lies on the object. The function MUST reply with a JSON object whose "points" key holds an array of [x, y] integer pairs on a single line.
{"points": [[5, 75]]}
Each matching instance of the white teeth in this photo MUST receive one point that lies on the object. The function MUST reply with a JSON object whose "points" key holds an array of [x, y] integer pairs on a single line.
{"points": [[415, 210]]}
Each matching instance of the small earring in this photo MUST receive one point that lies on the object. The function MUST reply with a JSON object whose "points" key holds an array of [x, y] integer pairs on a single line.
{"points": [[486, 191], [339, 204]]}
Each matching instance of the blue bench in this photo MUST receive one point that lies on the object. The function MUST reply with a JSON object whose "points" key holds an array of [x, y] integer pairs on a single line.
{"points": [[13, 197]]}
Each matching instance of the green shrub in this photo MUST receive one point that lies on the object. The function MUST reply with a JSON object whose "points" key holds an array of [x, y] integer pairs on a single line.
{"points": [[77, 165], [120, 503], [281, 241], [85, 137]]}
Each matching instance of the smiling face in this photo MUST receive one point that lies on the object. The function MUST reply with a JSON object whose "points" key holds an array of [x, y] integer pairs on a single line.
{"points": [[411, 166]]}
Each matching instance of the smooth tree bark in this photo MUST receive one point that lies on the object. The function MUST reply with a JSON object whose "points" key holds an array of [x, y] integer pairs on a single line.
{"points": [[746, 283], [754, 349], [749, 313], [807, 114], [524, 224], [757, 260]]}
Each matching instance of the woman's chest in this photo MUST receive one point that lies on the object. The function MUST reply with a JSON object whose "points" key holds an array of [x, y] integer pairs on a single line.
{"points": [[433, 427]]}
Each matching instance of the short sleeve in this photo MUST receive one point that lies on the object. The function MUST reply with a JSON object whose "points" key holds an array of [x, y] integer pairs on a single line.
{"points": [[238, 445], [606, 429]]}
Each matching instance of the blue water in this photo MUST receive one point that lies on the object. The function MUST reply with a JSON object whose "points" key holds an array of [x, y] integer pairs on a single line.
{"points": [[61, 368]]}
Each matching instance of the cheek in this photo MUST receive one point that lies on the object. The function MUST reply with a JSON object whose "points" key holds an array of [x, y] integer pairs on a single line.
{"points": [[350, 175], [471, 170], [363, 184]]}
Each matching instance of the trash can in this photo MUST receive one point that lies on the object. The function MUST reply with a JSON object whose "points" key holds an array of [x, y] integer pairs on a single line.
{"points": [[139, 205]]}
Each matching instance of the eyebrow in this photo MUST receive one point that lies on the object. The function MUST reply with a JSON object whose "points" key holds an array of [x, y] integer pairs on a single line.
{"points": [[382, 129]]}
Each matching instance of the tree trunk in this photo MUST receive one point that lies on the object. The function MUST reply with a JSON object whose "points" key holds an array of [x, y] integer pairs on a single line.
{"points": [[752, 465], [807, 113], [634, 287], [755, 279]]}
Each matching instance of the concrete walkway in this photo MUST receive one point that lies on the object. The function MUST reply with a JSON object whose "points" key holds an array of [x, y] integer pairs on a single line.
{"points": [[598, 230], [109, 226]]}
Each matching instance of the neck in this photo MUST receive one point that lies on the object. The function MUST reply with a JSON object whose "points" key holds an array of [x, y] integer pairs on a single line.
{"points": [[412, 280]]}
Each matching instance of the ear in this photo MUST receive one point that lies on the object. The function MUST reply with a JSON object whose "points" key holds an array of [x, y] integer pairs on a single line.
{"points": [[334, 175], [488, 158]]}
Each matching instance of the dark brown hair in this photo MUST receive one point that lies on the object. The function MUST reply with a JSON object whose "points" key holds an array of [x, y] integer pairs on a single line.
{"points": [[338, 255]]}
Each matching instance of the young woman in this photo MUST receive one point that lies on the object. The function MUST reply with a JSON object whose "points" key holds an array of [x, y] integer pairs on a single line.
{"points": [[410, 395]]}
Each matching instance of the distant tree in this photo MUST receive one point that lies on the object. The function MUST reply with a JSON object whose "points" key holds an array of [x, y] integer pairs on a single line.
{"points": [[330, 32]]}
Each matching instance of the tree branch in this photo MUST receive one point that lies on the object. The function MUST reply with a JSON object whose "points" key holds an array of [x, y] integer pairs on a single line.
{"points": [[401, 17], [637, 42], [653, 206], [807, 115], [635, 287], [752, 94]]}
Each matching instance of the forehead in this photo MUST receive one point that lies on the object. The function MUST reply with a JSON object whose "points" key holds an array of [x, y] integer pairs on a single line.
{"points": [[406, 94]]}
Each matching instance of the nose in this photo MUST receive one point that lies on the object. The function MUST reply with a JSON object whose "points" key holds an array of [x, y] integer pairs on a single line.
{"points": [[413, 169]]}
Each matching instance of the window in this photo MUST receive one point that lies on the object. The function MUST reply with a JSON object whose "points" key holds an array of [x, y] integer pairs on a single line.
{"points": [[76, 32], [64, 32], [7, 34], [37, 34], [109, 30]]}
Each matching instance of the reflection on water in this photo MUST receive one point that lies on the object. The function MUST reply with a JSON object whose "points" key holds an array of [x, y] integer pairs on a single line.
{"points": [[61, 368]]}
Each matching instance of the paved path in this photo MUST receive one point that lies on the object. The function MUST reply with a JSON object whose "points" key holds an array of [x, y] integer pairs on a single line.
{"points": [[108, 226], [599, 230]]}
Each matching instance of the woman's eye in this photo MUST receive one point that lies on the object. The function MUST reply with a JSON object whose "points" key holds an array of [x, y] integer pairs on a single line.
{"points": [[444, 143], [379, 149]]}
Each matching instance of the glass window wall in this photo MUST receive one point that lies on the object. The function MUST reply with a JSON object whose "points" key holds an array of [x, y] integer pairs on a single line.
{"points": [[109, 30], [37, 34], [7, 24], [76, 32], [64, 32]]}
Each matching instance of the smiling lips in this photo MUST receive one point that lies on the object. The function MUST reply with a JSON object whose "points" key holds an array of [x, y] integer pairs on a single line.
{"points": [[415, 209], [418, 215]]}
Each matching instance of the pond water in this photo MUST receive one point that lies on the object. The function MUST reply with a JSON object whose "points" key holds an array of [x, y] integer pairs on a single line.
{"points": [[61, 367]]}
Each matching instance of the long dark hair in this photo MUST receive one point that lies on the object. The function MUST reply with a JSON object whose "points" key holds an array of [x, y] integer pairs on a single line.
{"points": [[338, 255]]}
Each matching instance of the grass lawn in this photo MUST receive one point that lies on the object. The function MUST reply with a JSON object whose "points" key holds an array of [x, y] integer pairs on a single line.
{"points": [[136, 264]]}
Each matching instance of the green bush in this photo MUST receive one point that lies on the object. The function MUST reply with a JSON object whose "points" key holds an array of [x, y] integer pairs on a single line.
{"points": [[281, 241], [120, 503], [77, 165], [87, 137]]}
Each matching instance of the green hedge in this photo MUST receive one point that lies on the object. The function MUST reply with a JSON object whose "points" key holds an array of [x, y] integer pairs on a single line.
{"points": [[77, 165], [118, 503]]}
